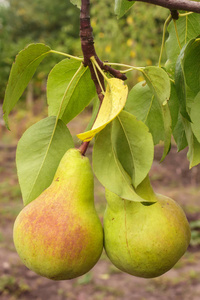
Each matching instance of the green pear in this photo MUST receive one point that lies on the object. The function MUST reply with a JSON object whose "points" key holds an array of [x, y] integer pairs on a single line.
{"points": [[59, 235], [145, 240]]}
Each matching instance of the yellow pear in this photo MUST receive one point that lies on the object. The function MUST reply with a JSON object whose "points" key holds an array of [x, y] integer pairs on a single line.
{"points": [[145, 240], [59, 235]]}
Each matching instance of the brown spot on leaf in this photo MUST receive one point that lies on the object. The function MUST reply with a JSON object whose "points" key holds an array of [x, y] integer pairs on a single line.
{"points": [[57, 179]]}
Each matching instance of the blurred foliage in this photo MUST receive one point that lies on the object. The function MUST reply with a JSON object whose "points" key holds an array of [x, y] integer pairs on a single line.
{"points": [[195, 233], [134, 39], [9, 285], [55, 23]]}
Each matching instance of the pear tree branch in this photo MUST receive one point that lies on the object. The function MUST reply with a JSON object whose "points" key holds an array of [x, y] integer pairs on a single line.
{"points": [[88, 49], [186, 5]]}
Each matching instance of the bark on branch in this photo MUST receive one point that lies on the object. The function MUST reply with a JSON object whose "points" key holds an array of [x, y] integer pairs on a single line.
{"points": [[186, 5], [88, 49], [87, 44]]}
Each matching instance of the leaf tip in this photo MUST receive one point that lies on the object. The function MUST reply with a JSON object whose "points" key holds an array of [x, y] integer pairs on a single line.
{"points": [[5, 118]]}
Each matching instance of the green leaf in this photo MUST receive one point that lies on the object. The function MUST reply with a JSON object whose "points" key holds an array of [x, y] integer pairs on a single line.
{"points": [[122, 6], [22, 70], [195, 117], [194, 153], [174, 106], [134, 153], [158, 82], [139, 101], [192, 65], [154, 120], [146, 107], [68, 95], [39, 152], [108, 168], [190, 97], [180, 84], [179, 134], [76, 3], [167, 121], [142, 104], [188, 28], [194, 146]]}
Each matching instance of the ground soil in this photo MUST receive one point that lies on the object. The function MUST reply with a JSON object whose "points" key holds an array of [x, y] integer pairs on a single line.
{"points": [[104, 282]]}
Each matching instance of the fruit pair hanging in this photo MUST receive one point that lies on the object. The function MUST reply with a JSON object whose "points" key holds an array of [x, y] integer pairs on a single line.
{"points": [[59, 235]]}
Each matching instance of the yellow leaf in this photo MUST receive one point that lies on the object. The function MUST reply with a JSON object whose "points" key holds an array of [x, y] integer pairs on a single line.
{"points": [[113, 103]]}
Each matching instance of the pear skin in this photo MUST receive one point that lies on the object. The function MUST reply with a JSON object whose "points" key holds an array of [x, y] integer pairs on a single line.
{"points": [[145, 240], [59, 235]]}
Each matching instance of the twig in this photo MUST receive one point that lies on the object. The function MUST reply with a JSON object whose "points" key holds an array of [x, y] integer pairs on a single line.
{"points": [[163, 38], [175, 4], [88, 49], [87, 44]]}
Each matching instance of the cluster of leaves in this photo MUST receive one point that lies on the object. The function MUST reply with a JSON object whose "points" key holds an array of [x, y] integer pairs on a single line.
{"points": [[57, 25], [138, 32], [127, 125], [43, 144], [183, 65]]}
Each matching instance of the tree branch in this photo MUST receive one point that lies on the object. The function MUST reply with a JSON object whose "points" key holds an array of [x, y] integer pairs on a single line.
{"points": [[87, 45], [175, 4]]}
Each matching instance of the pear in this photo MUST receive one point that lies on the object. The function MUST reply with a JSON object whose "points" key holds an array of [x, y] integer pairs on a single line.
{"points": [[59, 235], [145, 240]]}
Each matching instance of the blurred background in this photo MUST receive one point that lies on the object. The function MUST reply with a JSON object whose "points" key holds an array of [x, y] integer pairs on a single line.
{"points": [[135, 39]]}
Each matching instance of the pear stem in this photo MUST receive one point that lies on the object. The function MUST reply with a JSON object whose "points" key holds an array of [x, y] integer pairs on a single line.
{"points": [[83, 147]]}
